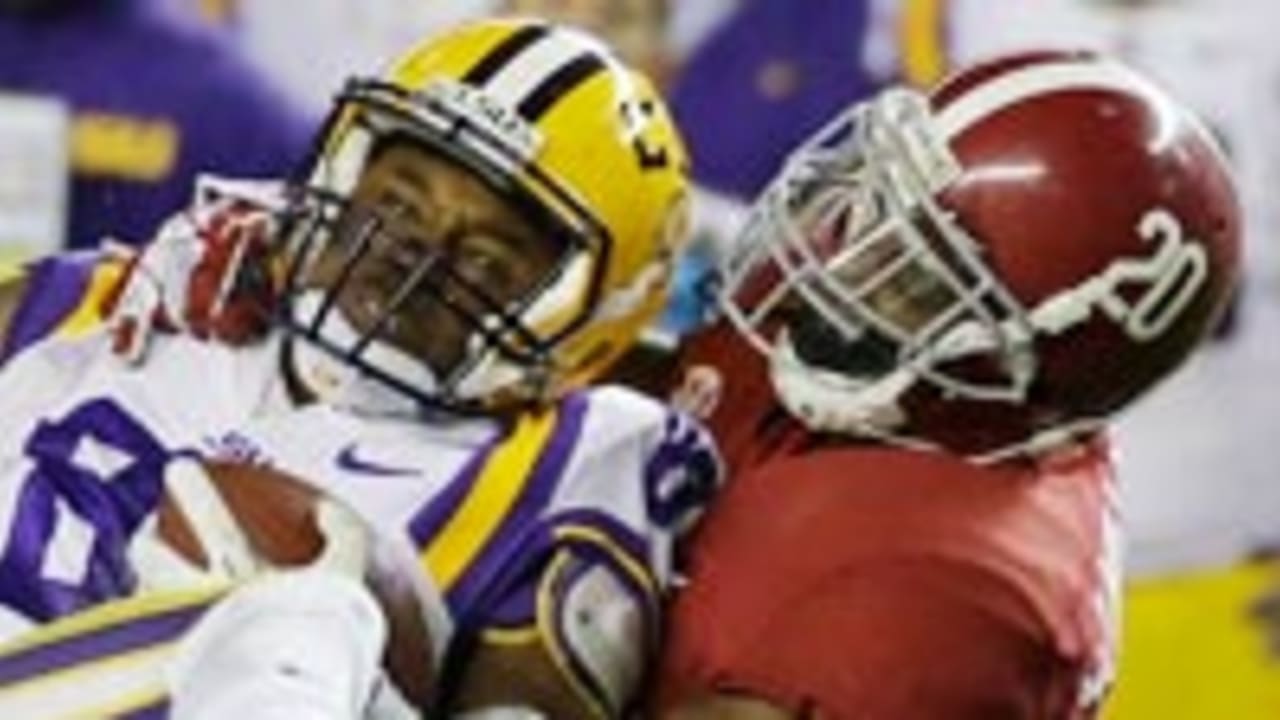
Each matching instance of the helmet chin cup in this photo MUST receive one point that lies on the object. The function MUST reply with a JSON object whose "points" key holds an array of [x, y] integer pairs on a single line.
{"points": [[829, 401]]}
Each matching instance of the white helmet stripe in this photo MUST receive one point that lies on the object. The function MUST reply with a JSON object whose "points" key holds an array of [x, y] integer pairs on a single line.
{"points": [[503, 53], [1038, 79], [539, 62]]}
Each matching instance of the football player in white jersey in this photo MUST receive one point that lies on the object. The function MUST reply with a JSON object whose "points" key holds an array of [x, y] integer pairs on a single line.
{"points": [[479, 234]]}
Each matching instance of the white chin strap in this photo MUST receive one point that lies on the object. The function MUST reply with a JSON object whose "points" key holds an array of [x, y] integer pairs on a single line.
{"points": [[827, 401], [341, 384]]}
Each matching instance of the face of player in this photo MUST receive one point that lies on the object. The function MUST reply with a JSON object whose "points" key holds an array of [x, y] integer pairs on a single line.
{"points": [[426, 252], [878, 289]]}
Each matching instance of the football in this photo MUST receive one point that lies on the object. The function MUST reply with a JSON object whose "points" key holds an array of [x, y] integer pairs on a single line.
{"points": [[275, 512], [276, 516]]}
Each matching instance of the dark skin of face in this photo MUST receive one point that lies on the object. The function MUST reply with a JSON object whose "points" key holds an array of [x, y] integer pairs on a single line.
{"points": [[910, 297], [438, 216]]}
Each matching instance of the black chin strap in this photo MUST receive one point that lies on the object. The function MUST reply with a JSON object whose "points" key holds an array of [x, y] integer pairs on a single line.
{"points": [[297, 391], [820, 344]]}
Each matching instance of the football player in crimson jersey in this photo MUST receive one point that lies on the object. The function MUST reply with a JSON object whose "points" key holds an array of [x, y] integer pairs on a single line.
{"points": [[931, 316]]}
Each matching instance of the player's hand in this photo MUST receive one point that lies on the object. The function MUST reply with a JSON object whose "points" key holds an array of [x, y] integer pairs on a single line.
{"points": [[699, 392], [220, 523], [207, 272], [231, 542]]}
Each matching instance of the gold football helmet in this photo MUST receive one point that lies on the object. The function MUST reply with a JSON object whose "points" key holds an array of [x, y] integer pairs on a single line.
{"points": [[551, 121]]}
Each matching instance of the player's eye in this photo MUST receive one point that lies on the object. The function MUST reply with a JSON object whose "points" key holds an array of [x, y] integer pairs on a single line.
{"points": [[484, 261], [402, 212]]}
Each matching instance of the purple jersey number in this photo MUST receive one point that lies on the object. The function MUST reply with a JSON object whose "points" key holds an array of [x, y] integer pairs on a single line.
{"points": [[65, 485]]}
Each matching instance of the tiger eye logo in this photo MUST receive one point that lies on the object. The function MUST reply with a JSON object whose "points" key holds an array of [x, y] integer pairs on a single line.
{"points": [[640, 116]]}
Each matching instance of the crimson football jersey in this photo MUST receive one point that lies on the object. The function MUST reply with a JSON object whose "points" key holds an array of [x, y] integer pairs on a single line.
{"points": [[874, 582]]}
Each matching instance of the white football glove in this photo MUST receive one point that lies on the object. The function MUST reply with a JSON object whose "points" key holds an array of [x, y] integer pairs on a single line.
{"points": [[297, 645]]}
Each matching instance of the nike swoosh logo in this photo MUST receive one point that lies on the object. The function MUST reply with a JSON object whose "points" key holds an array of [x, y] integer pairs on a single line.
{"points": [[347, 460]]}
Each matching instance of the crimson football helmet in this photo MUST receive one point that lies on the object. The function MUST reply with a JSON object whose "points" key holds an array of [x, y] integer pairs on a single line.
{"points": [[992, 267]]}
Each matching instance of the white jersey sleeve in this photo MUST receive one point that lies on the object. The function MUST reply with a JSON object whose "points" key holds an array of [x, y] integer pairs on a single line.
{"points": [[641, 476]]}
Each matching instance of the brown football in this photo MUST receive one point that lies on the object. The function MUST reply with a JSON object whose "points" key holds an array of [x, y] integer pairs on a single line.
{"points": [[275, 511], [277, 514]]}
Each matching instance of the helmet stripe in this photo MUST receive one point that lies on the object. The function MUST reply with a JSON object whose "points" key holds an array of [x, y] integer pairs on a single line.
{"points": [[1033, 81], [561, 83], [551, 64], [503, 53], [546, 70]]}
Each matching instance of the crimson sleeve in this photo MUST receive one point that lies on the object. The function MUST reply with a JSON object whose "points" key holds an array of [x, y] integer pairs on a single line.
{"points": [[919, 640]]}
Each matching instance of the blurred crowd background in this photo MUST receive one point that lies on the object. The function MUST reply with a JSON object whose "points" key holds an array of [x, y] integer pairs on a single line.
{"points": [[108, 109]]}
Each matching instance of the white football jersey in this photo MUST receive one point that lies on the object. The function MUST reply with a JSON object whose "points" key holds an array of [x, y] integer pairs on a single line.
{"points": [[84, 439]]}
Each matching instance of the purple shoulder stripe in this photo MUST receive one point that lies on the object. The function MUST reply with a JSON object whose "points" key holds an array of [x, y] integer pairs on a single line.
{"points": [[55, 287], [431, 519], [502, 549]]}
